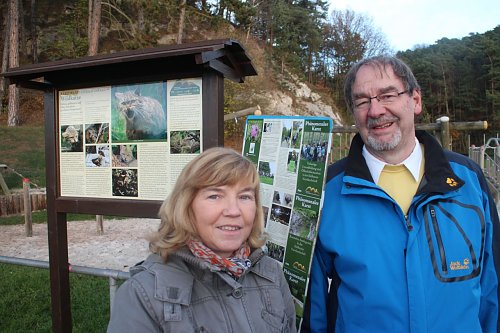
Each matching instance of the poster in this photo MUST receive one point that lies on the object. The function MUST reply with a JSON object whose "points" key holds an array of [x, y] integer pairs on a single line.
{"points": [[128, 141], [291, 155]]}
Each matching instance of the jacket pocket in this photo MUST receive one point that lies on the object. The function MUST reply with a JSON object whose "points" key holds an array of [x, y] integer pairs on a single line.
{"points": [[279, 324], [455, 235]]}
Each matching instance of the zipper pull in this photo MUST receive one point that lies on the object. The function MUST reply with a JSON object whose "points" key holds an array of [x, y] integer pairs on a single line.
{"points": [[409, 226]]}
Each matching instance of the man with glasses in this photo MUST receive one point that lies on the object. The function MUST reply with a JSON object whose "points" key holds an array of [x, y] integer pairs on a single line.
{"points": [[409, 233]]}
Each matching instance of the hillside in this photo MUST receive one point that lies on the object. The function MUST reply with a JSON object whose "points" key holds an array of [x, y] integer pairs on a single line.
{"points": [[276, 92], [61, 31]]}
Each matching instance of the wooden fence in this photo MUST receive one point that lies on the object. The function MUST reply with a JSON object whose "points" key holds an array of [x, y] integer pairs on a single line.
{"points": [[441, 130], [13, 204]]}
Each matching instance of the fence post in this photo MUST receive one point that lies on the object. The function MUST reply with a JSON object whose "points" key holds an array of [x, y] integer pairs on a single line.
{"points": [[445, 132], [112, 291], [481, 156], [28, 223], [99, 224], [3, 184]]}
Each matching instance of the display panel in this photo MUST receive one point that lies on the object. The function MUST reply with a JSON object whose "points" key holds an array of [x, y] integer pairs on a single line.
{"points": [[128, 141], [291, 155]]}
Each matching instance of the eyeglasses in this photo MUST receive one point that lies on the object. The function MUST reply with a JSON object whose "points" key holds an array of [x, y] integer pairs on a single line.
{"points": [[385, 99]]}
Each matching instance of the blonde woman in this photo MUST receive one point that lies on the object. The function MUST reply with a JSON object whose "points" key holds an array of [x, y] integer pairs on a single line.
{"points": [[207, 271]]}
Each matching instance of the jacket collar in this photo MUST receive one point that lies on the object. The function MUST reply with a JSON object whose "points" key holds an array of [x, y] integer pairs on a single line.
{"points": [[174, 281], [438, 174]]}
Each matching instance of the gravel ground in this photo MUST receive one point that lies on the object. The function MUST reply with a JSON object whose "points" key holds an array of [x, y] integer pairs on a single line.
{"points": [[122, 245]]}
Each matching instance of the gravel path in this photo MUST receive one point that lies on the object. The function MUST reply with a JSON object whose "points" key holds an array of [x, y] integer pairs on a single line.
{"points": [[122, 245]]}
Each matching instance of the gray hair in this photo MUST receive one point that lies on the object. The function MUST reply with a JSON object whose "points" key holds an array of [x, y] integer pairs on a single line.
{"points": [[401, 69]]}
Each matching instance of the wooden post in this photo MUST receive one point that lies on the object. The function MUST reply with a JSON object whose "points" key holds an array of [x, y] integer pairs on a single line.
{"points": [[444, 123], [28, 223], [4, 186], [3, 206], [99, 222], [245, 112]]}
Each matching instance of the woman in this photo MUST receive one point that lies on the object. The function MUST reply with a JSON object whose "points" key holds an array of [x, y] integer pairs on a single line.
{"points": [[208, 272]]}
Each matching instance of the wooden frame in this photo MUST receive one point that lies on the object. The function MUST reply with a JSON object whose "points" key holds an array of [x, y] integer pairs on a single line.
{"points": [[212, 61]]}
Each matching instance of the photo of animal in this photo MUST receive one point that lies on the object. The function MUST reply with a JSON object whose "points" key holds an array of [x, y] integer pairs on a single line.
{"points": [[185, 142], [124, 156], [97, 156], [139, 117], [125, 183], [97, 133], [71, 138]]}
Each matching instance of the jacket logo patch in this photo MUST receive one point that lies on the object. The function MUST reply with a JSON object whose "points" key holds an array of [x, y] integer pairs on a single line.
{"points": [[457, 265], [451, 181]]}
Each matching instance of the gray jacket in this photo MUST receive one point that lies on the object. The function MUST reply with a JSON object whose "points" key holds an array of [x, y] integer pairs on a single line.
{"points": [[187, 295]]}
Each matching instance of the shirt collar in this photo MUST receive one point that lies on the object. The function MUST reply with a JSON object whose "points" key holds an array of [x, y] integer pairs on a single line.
{"points": [[412, 162]]}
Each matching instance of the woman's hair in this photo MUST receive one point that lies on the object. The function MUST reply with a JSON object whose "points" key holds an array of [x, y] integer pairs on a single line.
{"points": [[401, 70], [214, 167]]}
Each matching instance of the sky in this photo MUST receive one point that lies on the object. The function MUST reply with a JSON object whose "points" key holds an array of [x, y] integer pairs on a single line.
{"points": [[407, 23]]}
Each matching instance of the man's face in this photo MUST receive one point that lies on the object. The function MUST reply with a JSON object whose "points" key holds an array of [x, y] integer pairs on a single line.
{"points": [[387, 129]]}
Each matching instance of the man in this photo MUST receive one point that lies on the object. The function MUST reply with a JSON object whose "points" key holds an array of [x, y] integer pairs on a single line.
{"points": [[409, 233]]}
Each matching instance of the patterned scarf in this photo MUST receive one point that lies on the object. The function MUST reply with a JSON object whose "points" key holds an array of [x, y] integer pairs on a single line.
{"points": [[234, 266]]}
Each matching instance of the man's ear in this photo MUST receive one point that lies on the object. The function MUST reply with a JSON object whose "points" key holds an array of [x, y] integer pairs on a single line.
{"points": [[417, 102]]}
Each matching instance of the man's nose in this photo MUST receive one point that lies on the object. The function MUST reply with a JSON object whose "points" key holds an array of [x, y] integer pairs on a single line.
{"points": [[376, 109]]}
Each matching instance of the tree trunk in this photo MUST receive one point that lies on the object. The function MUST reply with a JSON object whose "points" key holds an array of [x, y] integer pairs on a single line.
{"points": [[445, 91], [34, 37], [204, 5], [89, 24], [21, 29], [181, 22], [5, 56], [13, 115], [94, 26], [141, 23], [309, 66]]}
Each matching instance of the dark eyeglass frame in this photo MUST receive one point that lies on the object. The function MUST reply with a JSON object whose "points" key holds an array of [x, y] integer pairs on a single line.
{"points": [[384, 99]]}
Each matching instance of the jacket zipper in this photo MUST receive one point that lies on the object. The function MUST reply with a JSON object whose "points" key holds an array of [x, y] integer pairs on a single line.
{"points": [[439, 240], [409, 226]]}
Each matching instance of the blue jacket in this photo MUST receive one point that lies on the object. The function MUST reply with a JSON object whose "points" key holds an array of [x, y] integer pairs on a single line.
{"points": [[434, 271]]}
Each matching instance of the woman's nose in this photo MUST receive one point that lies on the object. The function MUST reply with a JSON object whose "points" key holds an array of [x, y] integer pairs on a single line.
{"points": [[231, 207]]}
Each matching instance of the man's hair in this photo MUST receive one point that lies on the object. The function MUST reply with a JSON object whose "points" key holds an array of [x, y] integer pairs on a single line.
{"points": [[214, 167], [401, 70]]}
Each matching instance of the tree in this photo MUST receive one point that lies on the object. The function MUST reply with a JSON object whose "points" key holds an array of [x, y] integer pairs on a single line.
{"points": [[347, 37], [94, 26], [5, 56], [351, 37], [34, 38], [181, 21], [459, 77], [13, 115]]}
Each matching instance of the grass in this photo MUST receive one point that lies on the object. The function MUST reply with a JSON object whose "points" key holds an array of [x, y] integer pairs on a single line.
{"points": [[25, 301], [23, 150]]}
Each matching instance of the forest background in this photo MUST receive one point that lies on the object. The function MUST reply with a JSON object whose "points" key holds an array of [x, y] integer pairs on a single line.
{"points": [[289, 41]]}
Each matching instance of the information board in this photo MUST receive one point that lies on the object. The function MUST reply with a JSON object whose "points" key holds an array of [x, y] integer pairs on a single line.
{"points": [[128, 141], [291, 155]]}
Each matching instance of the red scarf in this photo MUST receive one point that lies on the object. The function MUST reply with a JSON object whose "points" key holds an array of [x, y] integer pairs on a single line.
{"points": [[234, 266]]}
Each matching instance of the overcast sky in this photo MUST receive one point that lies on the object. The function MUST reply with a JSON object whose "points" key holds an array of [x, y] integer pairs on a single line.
{"points": [[407, 23]]}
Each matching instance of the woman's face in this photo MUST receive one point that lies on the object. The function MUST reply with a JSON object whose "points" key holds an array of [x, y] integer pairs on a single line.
{"points": [[224, 216]]}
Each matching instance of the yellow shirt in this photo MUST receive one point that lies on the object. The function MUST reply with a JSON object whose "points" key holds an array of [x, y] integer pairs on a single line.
{"points": [[399, 183]]}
